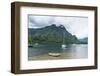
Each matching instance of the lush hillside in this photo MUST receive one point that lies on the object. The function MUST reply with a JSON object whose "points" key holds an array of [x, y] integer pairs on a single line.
{"points": [[84, 40], [51, 34]]}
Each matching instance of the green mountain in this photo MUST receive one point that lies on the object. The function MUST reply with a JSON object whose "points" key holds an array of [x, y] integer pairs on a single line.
{"points": [[84, 40], [51, 34]]}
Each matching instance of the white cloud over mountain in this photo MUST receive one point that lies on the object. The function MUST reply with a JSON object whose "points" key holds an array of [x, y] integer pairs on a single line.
{"points": [[75, 25]]}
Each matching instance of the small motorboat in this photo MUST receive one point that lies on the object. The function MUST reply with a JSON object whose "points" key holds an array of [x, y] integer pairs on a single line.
{"points": [[54, 54]]}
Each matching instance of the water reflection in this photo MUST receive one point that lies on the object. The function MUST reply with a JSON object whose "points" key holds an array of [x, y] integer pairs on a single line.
{"points": [[72, 51]]}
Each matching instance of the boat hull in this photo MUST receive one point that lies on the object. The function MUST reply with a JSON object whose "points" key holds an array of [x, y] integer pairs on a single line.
{"points": [[54, 54]]}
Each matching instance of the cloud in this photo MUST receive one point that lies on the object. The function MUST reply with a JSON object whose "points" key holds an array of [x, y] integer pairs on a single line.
{"points": [[40, 21], [75, 25]]}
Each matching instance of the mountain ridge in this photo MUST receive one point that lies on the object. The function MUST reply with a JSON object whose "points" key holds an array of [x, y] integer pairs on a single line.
{"points": [[51, 34]]}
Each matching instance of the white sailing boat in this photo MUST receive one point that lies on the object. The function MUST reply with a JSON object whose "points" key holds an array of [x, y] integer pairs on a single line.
{"points": [[63, 44]]}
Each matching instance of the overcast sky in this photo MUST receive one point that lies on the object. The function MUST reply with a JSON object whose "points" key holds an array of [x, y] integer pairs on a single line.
{"points": [[75, 25]]}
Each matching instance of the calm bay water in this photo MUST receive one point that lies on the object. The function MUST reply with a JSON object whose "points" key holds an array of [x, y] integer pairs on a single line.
{"points": [[72, 51]]}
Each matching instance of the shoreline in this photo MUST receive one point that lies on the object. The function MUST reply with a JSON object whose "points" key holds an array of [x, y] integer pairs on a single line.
{"points": [[63, 56]]}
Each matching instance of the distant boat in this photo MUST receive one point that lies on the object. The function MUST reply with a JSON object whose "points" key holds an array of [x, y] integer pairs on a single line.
{"points": [[54, 54], [30, 45], [33, 45], [64, 46], [36, 44], [63, 43]]}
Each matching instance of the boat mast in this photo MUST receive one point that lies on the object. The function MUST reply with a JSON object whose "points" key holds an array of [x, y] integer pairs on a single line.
{"points": [[63, 38]]}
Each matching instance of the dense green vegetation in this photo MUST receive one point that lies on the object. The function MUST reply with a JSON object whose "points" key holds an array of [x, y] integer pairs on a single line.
{"points": [[51, 34], [30, 40]]}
